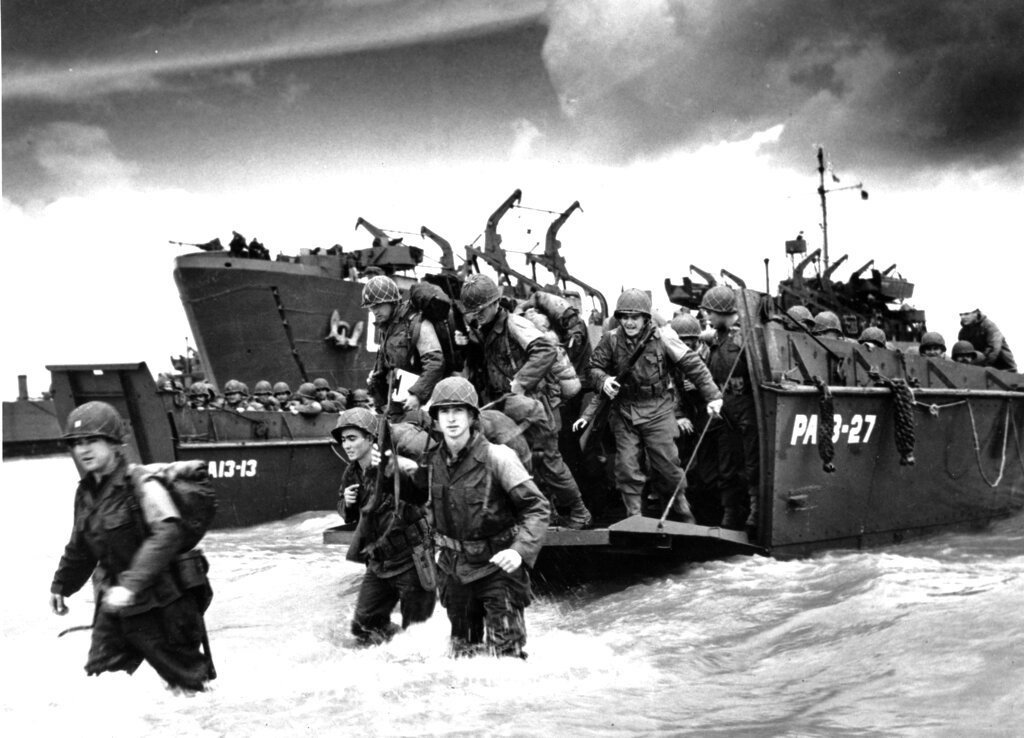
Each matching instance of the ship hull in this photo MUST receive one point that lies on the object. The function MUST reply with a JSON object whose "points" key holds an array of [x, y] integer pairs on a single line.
{"points": [[270, 320]]}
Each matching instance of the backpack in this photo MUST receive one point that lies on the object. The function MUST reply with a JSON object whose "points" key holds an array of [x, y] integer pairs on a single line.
{"points": [[434, 304], [191, 491]]}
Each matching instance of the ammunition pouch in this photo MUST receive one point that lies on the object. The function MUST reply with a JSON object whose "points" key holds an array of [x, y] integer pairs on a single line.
{"points": [[644, 391], [477, 551], [398, 541]]}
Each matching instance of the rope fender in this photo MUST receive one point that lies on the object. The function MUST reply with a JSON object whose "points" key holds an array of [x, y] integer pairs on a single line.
{"points": [[903, 406], [826, 425]]}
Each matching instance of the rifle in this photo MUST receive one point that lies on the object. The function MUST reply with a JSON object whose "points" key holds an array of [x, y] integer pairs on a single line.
{"points": [[605, 404]]}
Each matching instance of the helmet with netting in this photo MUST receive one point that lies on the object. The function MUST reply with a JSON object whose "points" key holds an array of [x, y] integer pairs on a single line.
{"points": [[454, 392], [719, 299], [478, 291], [233, 385], [686, 326], [379, 290], [92, 420], [356, 417], [633, 300]]}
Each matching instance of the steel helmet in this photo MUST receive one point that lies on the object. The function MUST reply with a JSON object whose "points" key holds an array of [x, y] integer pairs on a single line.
{"points": [[452, 392], [801, 315], [719, 299], [201, 389], [282, 387], [357, 417], [826, 320], [262, 388], [233, 385], [379, 290], [873, 335], [321, 383], [933, 339], [962, 348], [95, 419], [686, 326], [360, 396], [478, 291], [307, 391], [633, 300]]}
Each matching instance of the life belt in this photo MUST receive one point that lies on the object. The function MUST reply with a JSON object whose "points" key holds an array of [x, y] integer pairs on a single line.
{"points": [[341, 332]]}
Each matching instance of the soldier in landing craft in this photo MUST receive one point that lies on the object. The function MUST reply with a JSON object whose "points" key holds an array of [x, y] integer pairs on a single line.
{"points": [[733, 444], [391, 537], [330, 401], [643, 411], [407, 341], [263, 394], [514, 357], [489, 520]]}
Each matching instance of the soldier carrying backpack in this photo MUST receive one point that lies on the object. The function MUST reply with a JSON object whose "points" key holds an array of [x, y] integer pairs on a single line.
{"points": [[150, 598]]}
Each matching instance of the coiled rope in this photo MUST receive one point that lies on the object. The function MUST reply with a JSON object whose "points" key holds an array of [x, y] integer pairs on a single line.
{"points": [[826, 425], [903, 406]]}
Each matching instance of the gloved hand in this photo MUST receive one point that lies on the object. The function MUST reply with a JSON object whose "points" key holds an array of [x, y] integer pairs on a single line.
{"points": [[57, 604], [508, 560], [715, 408]]}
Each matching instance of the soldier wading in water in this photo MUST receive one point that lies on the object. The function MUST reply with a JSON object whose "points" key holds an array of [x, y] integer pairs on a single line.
{"points": [[148, 606], [489, 519], [391, 537]]}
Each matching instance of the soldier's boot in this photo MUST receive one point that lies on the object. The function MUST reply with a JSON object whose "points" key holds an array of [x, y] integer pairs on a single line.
{"points": [[681, 510], [632, 503], [735, 513], [579, 515], [752, 519]]}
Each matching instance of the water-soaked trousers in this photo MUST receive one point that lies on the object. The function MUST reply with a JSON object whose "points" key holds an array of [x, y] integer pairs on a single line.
{"points": [[731, 450], [170, 638], [487, 614], [378, 597], [656, 437]]}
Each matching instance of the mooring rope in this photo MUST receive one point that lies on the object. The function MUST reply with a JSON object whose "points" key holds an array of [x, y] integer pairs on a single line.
{"points": [[977, 445], [903, 404], [826, 425]]}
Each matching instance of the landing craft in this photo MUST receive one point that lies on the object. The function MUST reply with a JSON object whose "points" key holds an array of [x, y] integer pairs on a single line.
{"points": [[858, 445]]}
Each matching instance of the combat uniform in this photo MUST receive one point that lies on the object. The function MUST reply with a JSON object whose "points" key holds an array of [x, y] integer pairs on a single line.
{"points": [[410, 343], [135, 543], [515, 350], [986, 337], [732, 445], [384, 539], [483, 501], [643, 414]]}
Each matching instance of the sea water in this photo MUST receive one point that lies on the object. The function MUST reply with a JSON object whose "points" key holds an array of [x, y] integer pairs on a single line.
{"points": [[926, 638]]}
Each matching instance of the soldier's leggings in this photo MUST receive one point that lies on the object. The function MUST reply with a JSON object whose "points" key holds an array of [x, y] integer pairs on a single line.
{"points": [[487, 614], [551, 472], [169, 638], [378, 597], [734, 446], [657, 438]]}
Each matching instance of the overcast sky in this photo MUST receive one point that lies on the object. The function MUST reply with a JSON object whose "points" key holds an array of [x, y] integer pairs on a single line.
{"points": [[687, 130]]}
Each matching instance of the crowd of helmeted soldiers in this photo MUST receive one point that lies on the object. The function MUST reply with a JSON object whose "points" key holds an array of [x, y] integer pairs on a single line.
{"points": [[309, 399]]}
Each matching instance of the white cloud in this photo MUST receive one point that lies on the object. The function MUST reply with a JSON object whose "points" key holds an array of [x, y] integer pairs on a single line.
{"points": [[80, 157]]}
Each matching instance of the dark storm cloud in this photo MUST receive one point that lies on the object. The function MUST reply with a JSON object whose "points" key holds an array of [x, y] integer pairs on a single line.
{"points": [[912, 82], [81, 50]]}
